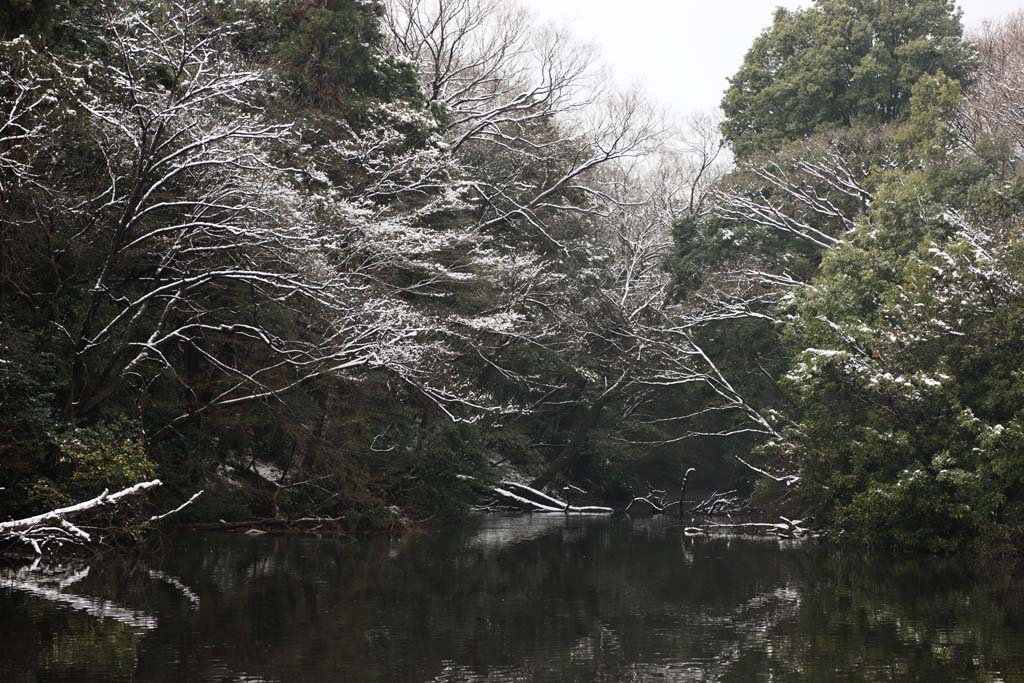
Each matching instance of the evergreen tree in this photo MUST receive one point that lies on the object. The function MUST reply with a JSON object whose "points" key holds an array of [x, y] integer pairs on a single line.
{"points": [[838, 64]]}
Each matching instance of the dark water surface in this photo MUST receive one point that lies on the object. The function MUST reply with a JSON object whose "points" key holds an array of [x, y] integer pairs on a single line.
{"points": [[536, 598]]}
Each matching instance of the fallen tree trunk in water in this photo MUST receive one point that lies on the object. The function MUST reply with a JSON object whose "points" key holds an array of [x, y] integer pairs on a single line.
{"points": [[104, 498], [55, 528], [788, 528], [521, 498], [533, 500]]}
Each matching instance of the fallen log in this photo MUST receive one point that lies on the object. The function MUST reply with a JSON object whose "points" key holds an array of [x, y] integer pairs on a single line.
{"points": [[788, 528], [527, 497], [59, 514], [532, 505], [55, 527]]}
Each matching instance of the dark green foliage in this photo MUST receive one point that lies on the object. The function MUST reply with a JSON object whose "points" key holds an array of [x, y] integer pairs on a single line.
{"points": [[57, 24], [908, 383], [838, 64], [901, 336], [33, 17], [329, 52], [70, 428]]}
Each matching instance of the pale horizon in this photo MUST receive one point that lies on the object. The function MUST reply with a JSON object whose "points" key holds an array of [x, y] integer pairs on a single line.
{"points": [[675, 50]]}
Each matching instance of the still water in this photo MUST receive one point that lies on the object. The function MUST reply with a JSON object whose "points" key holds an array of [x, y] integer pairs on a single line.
{"points": [[538, 598]]}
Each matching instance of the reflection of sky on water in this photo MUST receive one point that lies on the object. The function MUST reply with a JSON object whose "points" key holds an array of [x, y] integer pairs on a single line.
{"points": [[495, 532]]}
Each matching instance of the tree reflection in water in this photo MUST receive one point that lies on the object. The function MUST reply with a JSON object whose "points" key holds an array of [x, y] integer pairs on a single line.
{"points": [[541, 598]]}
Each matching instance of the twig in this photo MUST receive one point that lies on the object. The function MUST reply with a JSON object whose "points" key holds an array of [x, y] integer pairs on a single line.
{"points": [[157, 518]]}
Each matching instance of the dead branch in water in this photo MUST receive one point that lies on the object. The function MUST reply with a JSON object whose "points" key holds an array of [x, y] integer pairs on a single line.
{"points": [[787, 528], [54, 527], [655, 499], [724, 503], [533, 500]]}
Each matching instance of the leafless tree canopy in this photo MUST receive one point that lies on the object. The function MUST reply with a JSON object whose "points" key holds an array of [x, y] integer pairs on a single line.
{"points": [[994, 106], [231, 254]]}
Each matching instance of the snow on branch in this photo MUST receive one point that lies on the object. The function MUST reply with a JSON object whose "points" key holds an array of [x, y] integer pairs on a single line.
{"points": [[534, 500], [55, 526], [104, 499]]}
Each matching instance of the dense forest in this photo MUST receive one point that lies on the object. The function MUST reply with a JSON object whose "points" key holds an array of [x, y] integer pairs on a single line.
{"points": [[360, 260]]}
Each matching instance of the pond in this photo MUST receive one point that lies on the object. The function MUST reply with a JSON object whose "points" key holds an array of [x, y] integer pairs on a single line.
{"points": [[532, 598]]}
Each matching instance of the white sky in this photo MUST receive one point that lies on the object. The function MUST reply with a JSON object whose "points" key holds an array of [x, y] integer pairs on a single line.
{"points": [[681, 51]]}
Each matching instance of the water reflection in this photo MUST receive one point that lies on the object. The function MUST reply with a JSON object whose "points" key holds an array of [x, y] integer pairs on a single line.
{"points": [[540, 598], [53, 584]]}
